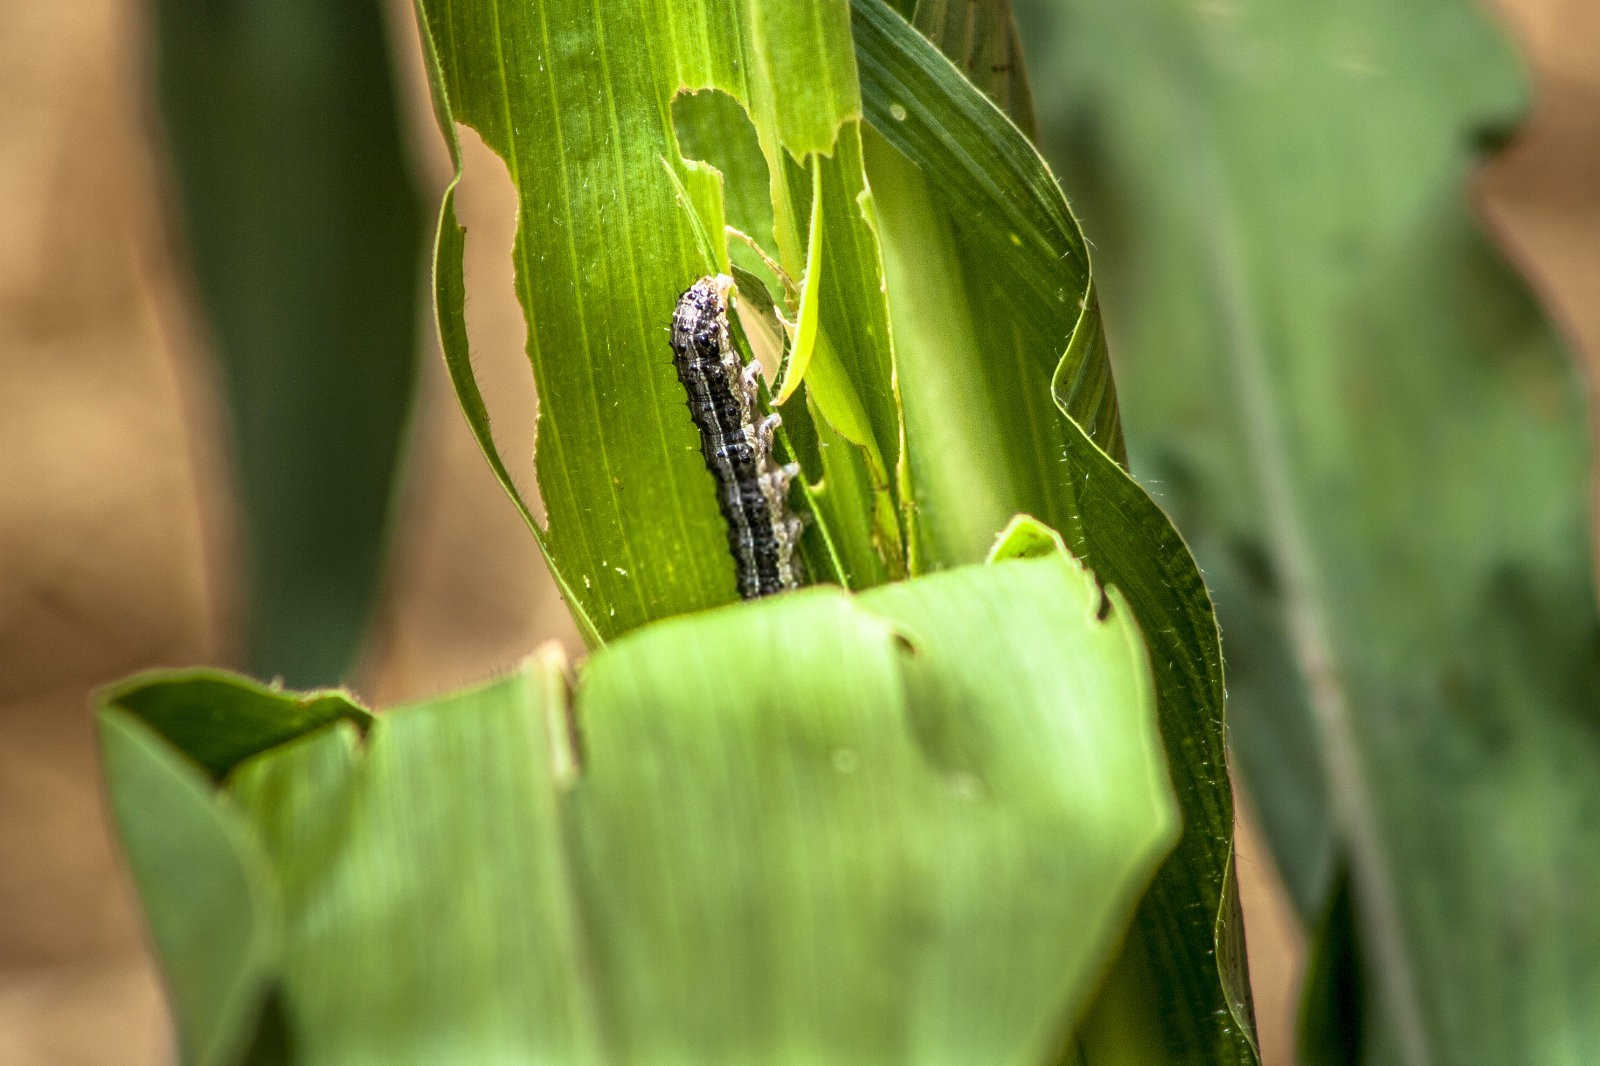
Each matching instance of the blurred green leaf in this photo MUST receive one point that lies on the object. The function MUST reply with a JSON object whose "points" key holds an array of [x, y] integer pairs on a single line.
{"points": [[304, 234], [208, 892], [1010, 407], [1367, 428], [908, 826], [1333, 1005]]}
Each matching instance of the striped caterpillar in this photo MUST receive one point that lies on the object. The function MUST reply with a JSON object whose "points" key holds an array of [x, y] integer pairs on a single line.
{"points": [[736, 443]]}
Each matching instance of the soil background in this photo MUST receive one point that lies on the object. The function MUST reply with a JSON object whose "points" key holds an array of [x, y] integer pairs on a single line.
{"points": [[117, 548]]}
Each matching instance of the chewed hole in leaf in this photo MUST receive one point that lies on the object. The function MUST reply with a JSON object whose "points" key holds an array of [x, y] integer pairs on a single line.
{"points": [[497, 328], [713, 128]]}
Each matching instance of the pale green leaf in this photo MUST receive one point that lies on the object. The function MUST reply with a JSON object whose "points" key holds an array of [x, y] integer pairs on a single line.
{"points": [[909, 826], [807, 321], [208, 892]]}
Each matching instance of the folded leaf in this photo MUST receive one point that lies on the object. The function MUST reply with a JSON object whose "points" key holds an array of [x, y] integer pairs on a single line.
{"points": [[1010, 407]]}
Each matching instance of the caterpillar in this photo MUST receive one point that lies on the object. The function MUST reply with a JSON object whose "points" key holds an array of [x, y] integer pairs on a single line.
{"points": [[736, 442]]}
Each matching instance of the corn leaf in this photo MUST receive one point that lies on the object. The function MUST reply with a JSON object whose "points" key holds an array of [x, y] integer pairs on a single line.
{"points": [[1010, 407], [992, 365], [305, 237], [208, 891], [1373, 438], [908, 826], [578, 99]]}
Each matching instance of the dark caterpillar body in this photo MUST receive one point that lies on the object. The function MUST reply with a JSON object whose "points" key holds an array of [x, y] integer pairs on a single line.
{"points": [[736, 442]]}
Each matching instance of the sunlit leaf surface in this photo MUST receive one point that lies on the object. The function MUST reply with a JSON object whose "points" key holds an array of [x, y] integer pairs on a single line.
{"points": [[578, 99]]}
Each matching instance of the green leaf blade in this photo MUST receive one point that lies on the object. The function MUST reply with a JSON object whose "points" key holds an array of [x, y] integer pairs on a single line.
{"points": [[304, 232], [863, 841], [1004, 370], [1367, 429], [206, 886], [578, 99], [219, 719]]}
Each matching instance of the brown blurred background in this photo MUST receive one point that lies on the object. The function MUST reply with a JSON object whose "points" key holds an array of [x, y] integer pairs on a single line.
{"points": [[118, 549]]}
